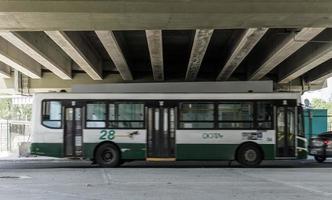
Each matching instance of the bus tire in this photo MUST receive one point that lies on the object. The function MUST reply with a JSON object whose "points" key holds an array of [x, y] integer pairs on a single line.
{"points": [[320, 159], [107, 155], [249, 155]]}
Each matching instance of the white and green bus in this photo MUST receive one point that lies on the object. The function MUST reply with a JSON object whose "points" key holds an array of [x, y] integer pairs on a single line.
{"points": [[112, 128]]}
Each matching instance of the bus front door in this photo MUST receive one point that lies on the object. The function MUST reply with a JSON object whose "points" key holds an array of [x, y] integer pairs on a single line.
{"points": [[161, 132], [73, 132], [286, 132]]}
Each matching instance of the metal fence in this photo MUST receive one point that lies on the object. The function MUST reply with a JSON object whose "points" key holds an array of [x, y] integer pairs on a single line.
{"points": [[13, 133]]}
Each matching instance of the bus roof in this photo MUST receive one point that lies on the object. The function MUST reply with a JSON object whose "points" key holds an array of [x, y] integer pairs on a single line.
{"points": [[170, 96]]}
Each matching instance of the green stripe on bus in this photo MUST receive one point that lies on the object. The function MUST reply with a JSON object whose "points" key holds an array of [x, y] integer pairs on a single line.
{"points": [[216, 151], [132, 151], [47, 149], [128, 150]]}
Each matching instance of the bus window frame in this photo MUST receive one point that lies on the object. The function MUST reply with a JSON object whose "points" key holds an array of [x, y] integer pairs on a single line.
{"points": [[83, 102], [253, 103], [273, 102], [271, 127], [107, 121], [179, 121], [61, 114], [117, 121], [86, 114]]}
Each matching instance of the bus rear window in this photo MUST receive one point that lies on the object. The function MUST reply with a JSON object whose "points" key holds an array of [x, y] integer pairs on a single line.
{"points": [[51, 114]]}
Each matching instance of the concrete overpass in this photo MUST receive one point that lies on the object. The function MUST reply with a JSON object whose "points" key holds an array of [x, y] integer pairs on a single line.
{"points": [[51, 45]]}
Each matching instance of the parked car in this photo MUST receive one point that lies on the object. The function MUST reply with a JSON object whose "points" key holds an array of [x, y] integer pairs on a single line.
{"points": [[321, 146]]}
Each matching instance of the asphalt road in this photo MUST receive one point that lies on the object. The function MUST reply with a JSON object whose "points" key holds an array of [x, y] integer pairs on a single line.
{"points": [[73, 180]]}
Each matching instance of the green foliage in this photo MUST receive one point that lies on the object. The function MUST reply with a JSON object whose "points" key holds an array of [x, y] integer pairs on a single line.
{"points": [[321, 104], [9, 111]]}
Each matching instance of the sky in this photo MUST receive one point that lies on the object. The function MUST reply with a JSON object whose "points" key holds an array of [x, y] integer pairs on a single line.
{"points": [[325, 93]]}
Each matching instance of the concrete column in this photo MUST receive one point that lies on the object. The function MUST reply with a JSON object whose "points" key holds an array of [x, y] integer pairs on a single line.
{"points": [[155, 44], [39, 47], [18, 60], [307, 59], [320, 73], [113, 49], [201, 43], [242, 48], [289, 46], [78, 50], [4, 70]]}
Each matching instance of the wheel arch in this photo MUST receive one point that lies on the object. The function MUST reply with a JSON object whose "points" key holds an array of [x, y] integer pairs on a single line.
{"points": [[105, 142], [249, 143]]}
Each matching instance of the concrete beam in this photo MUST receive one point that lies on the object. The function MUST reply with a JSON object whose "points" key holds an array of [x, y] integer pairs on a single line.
{"points": [[306, 60], [201, 43], [155, 44], [78, 50], [39, 47], [161, 14], [319, 74], [51, 82], [289, 46], [298, 88], [242, 48], [18, 60], [113, 49], [4, 70]]}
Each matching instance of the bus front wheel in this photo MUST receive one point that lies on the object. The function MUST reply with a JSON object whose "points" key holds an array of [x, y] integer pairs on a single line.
{"points": [[107, 155], [249, 155]]}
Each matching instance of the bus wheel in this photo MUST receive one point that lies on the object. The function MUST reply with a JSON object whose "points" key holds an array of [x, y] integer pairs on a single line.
{"points": [[249, 155], [107, 155], [320, 159]]}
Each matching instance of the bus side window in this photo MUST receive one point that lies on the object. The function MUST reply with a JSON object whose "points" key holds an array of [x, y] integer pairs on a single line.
{"points": [[96, 115], [51, 114], [196, 115], [264, 115], [238, 115], [126, 115]]}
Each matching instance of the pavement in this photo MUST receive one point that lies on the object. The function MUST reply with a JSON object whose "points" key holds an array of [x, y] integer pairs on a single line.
{"points": [[61, 179]]}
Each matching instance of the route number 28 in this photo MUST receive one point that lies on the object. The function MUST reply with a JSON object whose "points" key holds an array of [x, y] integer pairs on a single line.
{"points": [[106, 135]]}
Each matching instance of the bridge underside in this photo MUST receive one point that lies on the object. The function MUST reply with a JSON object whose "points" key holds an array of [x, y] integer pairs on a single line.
{"points": [[52, 45]]}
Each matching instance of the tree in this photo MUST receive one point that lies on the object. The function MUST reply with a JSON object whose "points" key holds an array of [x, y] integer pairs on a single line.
{"points": [[321, 104], [10, 111], [5, 106]]}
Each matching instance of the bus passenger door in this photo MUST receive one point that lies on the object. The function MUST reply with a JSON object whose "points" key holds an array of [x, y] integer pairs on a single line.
{"points": [[73, 131], [161, 120], [286, 132]]}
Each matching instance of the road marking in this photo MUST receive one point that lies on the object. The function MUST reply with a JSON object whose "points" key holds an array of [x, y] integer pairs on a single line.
{"points": [[106, 177]]}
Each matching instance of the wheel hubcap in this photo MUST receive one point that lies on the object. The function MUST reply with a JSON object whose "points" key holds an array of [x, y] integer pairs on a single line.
{"points": [[107, 156], [250, 155]]}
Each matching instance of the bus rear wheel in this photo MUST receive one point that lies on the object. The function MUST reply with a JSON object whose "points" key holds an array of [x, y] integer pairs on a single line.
{"points": [[107, 155], [249, 155], [320, 159]]}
